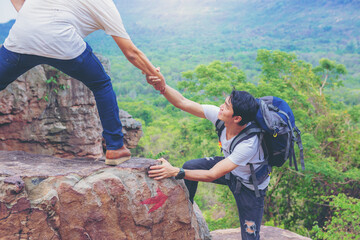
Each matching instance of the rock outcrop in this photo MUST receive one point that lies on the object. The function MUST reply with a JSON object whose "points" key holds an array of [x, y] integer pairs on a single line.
{"points": [[46, 112], [132, 129], [43, 197], [266, 232]]}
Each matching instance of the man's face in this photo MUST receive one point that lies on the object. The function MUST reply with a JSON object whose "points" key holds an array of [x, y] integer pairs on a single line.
{"points": [[226, 110]]}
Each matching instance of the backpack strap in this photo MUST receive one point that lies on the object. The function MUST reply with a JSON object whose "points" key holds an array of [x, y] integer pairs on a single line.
{"points": [[299, 143], [292, 156], [220, 125], [263, 171], [296, 139], [246, 133], [254, 180]]}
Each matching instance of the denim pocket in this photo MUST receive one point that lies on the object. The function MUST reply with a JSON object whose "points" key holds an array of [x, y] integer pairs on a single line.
{"points": [[10, 57]]}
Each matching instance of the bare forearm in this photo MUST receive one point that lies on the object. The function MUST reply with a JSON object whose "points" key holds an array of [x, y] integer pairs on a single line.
{"points": [[220, 169], [166, 170], [136, 57], [139, 60], [17, 4], [193, 175], [179, 101], [200, 175], [174, 97]]}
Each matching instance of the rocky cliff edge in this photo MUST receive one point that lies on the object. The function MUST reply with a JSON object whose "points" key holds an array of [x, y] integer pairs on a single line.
{"points": [[43, 197]]}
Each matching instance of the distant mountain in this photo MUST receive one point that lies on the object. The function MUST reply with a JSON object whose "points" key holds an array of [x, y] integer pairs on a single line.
{"points": [[195, 32], [248, 24], [233, 30]]}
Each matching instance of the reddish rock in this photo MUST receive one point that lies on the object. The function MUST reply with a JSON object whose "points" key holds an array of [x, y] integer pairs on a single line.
{"points": [[266, 233], [58, 119], [84, 199]]}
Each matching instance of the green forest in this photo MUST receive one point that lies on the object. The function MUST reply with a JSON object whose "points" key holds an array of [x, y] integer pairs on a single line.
{"points": [[305, 52], [321, 202]]}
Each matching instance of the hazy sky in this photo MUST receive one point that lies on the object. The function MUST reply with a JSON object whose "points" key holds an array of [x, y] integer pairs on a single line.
{"points": [[7, 11]]}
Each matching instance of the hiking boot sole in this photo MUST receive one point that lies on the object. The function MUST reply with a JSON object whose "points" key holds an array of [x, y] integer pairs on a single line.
{"points": [[114, 162]]}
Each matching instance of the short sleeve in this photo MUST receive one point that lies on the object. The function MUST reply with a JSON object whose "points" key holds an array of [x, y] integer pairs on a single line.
{"points": [[245, 151], [211, 112], [109, 19]]}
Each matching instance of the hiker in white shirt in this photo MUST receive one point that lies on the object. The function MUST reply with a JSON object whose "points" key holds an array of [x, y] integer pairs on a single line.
{"points": [[52, 32]]}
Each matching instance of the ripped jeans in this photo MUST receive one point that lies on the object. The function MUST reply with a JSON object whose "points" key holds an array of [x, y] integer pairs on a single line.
{"points": [[250, 207]]}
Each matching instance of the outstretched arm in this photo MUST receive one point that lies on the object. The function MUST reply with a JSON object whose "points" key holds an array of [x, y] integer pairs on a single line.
{"points": [[166, 170], [178, 100], [17, 4], [139, 60]]}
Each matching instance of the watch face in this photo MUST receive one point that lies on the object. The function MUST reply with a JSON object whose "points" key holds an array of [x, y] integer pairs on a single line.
{"points": [[181, 174]]}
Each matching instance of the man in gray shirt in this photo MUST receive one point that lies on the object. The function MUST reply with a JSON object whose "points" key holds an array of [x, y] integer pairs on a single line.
{"points": [[237, 112]]}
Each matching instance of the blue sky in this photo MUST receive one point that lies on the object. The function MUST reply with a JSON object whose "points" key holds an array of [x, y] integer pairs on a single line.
{"points": [[7, 11]]}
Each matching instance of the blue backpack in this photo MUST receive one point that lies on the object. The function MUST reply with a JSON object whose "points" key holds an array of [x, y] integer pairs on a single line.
{"points": [[275, 125]]}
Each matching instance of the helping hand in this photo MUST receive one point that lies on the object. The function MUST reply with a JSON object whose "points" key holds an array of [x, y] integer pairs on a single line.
{"points": [[153, 80], [165, 170], [158, 82]]}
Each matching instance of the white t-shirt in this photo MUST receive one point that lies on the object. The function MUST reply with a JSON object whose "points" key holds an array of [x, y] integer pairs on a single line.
{"points": [[56, 28], [247, 151]]}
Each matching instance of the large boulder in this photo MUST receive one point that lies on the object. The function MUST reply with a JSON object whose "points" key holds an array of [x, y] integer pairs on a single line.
{"points": [[43, 197], [47, 112]]}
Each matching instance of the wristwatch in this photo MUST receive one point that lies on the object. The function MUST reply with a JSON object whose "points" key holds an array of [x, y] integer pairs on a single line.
{"points": [[181, 174]]}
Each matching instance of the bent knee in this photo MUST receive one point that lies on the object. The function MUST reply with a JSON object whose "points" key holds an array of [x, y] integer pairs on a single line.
{"points": [[195, 164], [188, 165]]}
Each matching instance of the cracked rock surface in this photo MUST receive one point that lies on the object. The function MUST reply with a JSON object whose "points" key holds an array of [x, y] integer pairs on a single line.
{"points": [[47, 112], [43, 197]]}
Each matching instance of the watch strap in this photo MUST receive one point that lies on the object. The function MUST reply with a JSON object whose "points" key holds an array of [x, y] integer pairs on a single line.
{"points": [[181, 174]]}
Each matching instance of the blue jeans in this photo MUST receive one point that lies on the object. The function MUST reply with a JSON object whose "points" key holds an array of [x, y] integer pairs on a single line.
{"points": [[250, 208], [85, 68]]}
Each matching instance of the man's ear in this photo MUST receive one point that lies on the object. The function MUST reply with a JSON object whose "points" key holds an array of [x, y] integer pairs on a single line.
{"points": [[237, 119]]}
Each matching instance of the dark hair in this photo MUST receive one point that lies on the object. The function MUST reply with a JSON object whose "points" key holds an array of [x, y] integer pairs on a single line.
{"points": [[244, 105]]}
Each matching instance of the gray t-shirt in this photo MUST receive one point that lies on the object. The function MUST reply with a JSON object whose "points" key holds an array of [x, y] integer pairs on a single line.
{"points": [[247, 151]]}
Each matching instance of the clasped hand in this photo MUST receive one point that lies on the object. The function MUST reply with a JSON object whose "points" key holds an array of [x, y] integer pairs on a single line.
{"points": [[157, 81]]}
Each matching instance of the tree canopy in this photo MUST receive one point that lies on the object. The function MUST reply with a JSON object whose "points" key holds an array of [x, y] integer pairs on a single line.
{"points": [[313, 202]]}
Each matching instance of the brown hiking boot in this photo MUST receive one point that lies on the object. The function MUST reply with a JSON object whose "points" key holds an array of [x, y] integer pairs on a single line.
{"points": [[115, 157]]}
